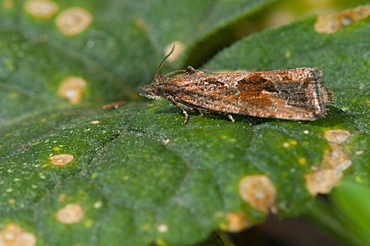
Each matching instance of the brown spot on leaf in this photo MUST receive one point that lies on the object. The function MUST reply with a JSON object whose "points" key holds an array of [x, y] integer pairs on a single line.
{"points": [[73, 21], [179, 48], [331, 23], [139, 24], [114, 105], [70, 214], [334, 157], [72, 88], [324, 178], [61, 160], [235, 221], [337, 136], [41, 8], [61, 197], [13, 234], [258, 192]]}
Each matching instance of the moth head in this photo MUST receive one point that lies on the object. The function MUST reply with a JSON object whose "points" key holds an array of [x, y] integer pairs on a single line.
{"points": [[156, 89], [153, 91]]}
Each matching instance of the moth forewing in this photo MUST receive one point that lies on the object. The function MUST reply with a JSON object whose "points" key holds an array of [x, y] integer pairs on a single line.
{"points": [[296, 94]]}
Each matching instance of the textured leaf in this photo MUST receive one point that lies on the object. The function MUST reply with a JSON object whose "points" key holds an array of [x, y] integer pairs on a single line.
{"points": [[137, 174]]}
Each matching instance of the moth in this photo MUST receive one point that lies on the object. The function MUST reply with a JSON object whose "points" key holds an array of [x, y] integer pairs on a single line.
{"points": [[292, 94]]}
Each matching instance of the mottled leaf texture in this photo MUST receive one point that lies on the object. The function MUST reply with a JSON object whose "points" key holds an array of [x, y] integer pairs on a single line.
{"points": [[72, 173]]}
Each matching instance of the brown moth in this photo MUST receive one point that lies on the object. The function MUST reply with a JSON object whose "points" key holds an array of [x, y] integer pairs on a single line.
{"points": [[292, 94]]}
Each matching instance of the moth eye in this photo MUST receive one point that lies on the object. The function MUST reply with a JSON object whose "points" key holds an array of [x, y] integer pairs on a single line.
{"points": [[159, 90]]}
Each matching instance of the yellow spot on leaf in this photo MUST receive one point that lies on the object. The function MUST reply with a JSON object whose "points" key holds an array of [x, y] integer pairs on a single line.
{"points": [[12, 201], [61, 160], [41, 8], [179, 48], [72, 88], [235, 221], [13, 234], [258, 192], [73, 21], [70, 214], [8, 4], [145, 227], [13, 95], [293, 142], [139, 24], [89, 223], [302, 161], [333, 22], [287, 54]]}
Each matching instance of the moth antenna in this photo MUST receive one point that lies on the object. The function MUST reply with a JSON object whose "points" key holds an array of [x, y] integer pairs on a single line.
{"points": [[160, 64]]}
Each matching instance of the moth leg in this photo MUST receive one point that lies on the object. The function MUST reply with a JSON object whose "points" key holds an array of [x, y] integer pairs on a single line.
{"points": [[190, 70], [201, 112], [231, 118], [183, 109]]}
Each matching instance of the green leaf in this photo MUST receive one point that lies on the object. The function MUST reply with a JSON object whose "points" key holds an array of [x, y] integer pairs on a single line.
{"points": [[353, 200], [347, 216], [137, 174]]}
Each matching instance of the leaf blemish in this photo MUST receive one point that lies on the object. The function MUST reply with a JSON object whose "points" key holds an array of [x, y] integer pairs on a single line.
{"points": [[73, 21], [61, 160], [70, 214], [162, 228], [61, 197], [333, 22], [334, 163], [258, 191], [72, 88], [287, 54], [166, 141], [359, 152], [337, 136], [302, 161], [139, 24], [13, 234], [236, 221], [291, 142], [41, 8], [8, 4], [98, 204]]}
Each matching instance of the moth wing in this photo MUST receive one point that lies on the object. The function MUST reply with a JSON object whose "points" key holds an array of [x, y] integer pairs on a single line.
{"points": [[286, 94]]}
